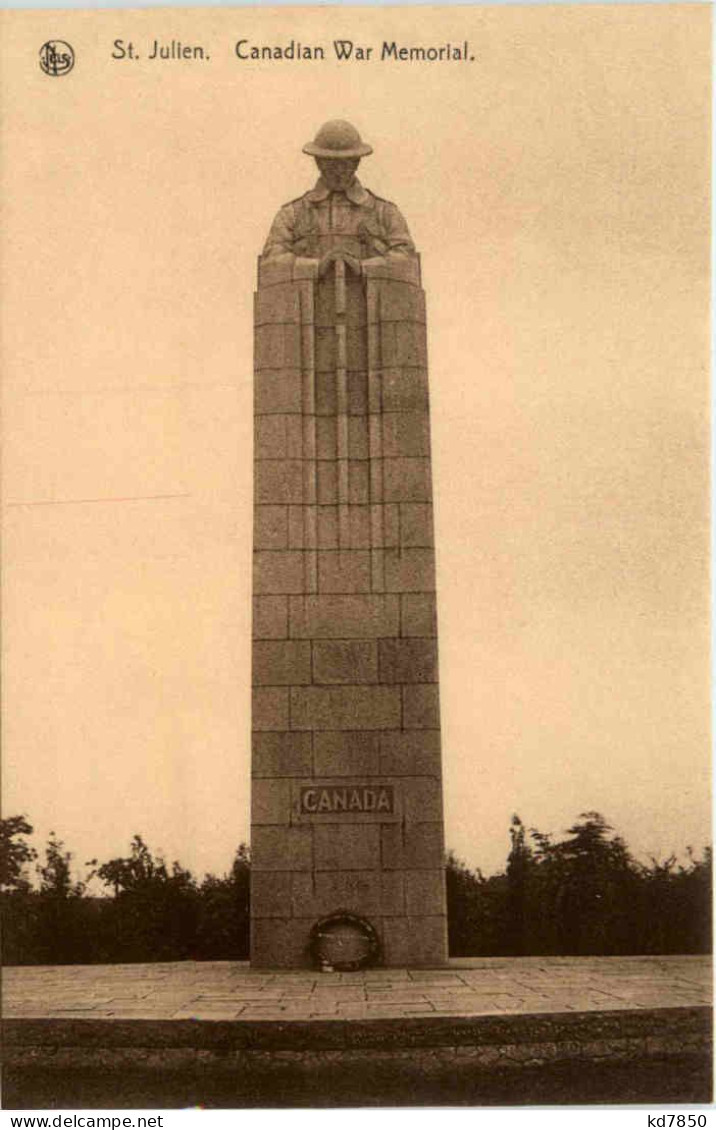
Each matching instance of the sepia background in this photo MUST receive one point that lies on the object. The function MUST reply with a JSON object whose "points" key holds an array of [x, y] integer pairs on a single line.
{"points": [[557, 188]]}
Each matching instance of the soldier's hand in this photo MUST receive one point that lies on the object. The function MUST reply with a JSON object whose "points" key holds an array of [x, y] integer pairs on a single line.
{"points": [[339, 253], [353, 263], [327, 259]]}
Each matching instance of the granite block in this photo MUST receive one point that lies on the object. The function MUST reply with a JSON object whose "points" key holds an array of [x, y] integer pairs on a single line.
{"points": [[357, 394], [325, 312], [314, 896], [281, 755], [281, 662], [344, 708], [419, 941], [405, 480], [403, 343], [425, 892], [358, 482], [279, 943], [405, 389], [307, 425], [406, 434], [309, 481], [347, 754], [307, 449], [271, 896], [346, 847], [422, 800], [278, 481], [327, 527], [277, 304], [297, 538], [409, 570], [358, 437], [344, 571], [411, 343], [326, 395], [408, 661], [277, 346], [270, 526], [412, 846], [418, 615], [373, 421], [325, 345], [327, 480], [362, 616], [345, 661], [270, 801], [275, 848], [390, 521], [270, 617], [368, 893], [392, 890], [273, 273], [269, 709], [416, 524], [356, 346], [421, 707], [355, 314], [278, 571], [400, 303], [278, 437], [278, 390], [410, 753], [326, 437], [359, 522]]}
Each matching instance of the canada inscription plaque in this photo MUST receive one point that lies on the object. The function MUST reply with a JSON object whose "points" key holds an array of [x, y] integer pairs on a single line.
{"points": [[335, 800]]}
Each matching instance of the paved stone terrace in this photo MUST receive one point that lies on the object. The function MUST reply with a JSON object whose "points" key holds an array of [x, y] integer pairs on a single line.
{"points": [[466, 987]]}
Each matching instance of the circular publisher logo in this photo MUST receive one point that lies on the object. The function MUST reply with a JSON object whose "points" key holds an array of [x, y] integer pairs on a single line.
{"points": [[56, 58]]}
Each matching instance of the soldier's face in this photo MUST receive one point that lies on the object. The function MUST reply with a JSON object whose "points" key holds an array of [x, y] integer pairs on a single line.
{"points": [[338, 172]]}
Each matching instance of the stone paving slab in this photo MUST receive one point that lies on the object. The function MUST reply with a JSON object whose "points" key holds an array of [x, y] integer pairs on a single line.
{"points": [[467, 987]]}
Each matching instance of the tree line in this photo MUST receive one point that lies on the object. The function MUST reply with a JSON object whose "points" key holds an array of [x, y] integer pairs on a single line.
{"points": [[152, 911], [581, 894]]}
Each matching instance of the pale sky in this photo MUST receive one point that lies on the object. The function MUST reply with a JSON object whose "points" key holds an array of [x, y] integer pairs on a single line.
{"points": [[557, 189]]}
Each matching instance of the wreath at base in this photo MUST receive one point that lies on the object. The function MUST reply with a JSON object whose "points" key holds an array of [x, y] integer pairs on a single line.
{"points": [[344, 942]]}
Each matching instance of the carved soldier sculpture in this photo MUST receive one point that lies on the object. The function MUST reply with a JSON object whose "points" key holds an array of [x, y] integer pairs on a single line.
{"points": [[338, 218], [347, 833]]}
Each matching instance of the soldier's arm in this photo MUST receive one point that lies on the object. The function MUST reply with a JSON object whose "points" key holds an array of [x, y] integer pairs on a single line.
{"points": [[280, 246], [281, 237], [397, 235]]}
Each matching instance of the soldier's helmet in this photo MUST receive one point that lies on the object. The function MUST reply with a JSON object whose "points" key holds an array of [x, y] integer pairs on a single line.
{"points": [[337, 139]]}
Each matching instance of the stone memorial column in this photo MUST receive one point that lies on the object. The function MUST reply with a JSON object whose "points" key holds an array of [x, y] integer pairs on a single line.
{"points": [[347, 824]]}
